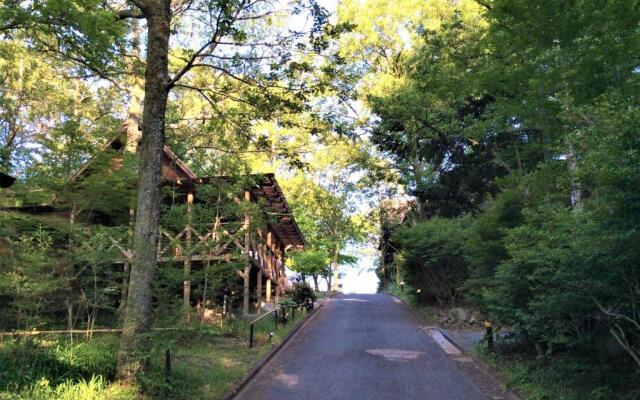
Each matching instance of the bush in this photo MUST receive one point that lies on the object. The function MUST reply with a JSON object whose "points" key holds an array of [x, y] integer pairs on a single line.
{"points": [[301, 292], [433, 258]]}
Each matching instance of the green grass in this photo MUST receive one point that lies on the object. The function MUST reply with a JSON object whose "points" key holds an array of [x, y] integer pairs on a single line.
{"points": [[56, 368], [206, 362]]}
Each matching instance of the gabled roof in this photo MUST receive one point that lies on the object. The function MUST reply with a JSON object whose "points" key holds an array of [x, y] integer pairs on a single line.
{"points": [[172, 167]]}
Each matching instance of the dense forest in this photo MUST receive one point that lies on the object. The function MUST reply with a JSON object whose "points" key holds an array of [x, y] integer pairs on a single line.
{"points": [[491, 148]]}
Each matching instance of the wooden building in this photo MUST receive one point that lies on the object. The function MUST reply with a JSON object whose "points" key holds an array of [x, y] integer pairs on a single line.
{"points": [[262, 249], [256, 249]]}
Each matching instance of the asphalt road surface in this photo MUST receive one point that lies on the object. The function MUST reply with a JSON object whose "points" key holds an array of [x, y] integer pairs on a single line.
{"points": [[367, 347]]}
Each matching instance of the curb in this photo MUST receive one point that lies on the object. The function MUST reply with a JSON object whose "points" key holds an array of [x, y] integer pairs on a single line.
{"points": [[264, 360], [481, 364]]}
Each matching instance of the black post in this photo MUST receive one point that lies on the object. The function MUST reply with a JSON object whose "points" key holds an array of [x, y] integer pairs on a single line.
{"points": [[276, 318], [167, 363], [489, 334], [250, 335], [293, 313], [402, 287]]}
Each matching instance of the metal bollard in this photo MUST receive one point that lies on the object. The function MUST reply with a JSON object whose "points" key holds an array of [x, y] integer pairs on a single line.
{"points": [[489, 334], [167, 363], [251, 336]]}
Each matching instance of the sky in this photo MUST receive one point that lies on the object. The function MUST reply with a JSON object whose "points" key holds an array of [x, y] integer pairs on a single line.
{"points": [[361, 277]]}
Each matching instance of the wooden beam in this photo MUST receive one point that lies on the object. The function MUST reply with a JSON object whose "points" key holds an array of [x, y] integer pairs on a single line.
{"points": [[269, 290], [259, 289], [186, 284], [247, 267]]}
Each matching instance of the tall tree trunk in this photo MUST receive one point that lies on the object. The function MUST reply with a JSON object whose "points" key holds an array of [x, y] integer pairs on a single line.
{"points": [[134, 347], [136, 91], [334, 268], [132, 129], [315, 281], [7, 150]]}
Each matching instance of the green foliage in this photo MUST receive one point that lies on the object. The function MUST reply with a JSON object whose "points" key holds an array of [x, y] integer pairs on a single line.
{"points": [[67, 390], [565, 377], [36, 367], [521, 116], [433, 258], [301, 292]]}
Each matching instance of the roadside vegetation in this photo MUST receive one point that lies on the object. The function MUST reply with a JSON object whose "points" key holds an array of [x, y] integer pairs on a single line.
{"points": [[513, 126], [205, 362]]}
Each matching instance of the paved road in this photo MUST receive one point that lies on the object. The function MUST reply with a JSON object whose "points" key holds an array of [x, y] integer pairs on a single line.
{"points": [[363, 347]]}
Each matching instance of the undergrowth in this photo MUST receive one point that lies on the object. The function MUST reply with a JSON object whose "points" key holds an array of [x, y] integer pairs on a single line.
{"points": [[563, 376], [206, 361]]}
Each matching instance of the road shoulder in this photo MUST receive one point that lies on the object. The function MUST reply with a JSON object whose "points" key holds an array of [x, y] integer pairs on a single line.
{"points": [[479, 372]]}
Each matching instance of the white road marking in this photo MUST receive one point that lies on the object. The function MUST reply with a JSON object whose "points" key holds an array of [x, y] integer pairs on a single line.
{"points": [[395, 354], [289, 380]]}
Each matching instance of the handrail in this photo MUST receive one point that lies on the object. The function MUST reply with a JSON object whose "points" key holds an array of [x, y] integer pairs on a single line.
{"points": [[308, 305]]}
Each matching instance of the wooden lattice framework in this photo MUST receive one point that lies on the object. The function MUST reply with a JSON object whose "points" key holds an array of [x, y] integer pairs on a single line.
{"points": [[261, 251]]}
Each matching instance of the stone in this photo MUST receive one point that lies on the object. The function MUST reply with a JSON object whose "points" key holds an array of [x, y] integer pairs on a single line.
{"points": [[459, 314], [478, 316]]}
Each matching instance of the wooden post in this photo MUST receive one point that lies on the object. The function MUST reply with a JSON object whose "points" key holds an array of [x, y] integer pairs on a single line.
{"points": [[488, 326], [186, 284], [277, 288], [167, 363], [259, 289], [269, 263], [247, 266], [281, 277], [268, 290]]}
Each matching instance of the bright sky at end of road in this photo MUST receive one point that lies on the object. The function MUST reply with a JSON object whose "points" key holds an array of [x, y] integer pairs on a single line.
{"points": [[360, 278]]}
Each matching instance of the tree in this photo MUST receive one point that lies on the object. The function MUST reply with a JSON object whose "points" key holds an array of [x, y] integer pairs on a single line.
{"points": [[239, 44], [505, 110], [311, 263]]}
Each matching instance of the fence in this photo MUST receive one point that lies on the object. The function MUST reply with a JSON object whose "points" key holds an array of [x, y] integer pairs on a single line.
{"points": [[280, 316]]}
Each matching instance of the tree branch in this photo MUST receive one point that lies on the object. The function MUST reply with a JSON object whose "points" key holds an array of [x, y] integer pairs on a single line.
{"points": [[131, 13], [484, 4]]}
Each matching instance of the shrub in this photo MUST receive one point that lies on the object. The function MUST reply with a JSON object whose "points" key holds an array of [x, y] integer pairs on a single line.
{"points": [[433, 257], [301, 292]]}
